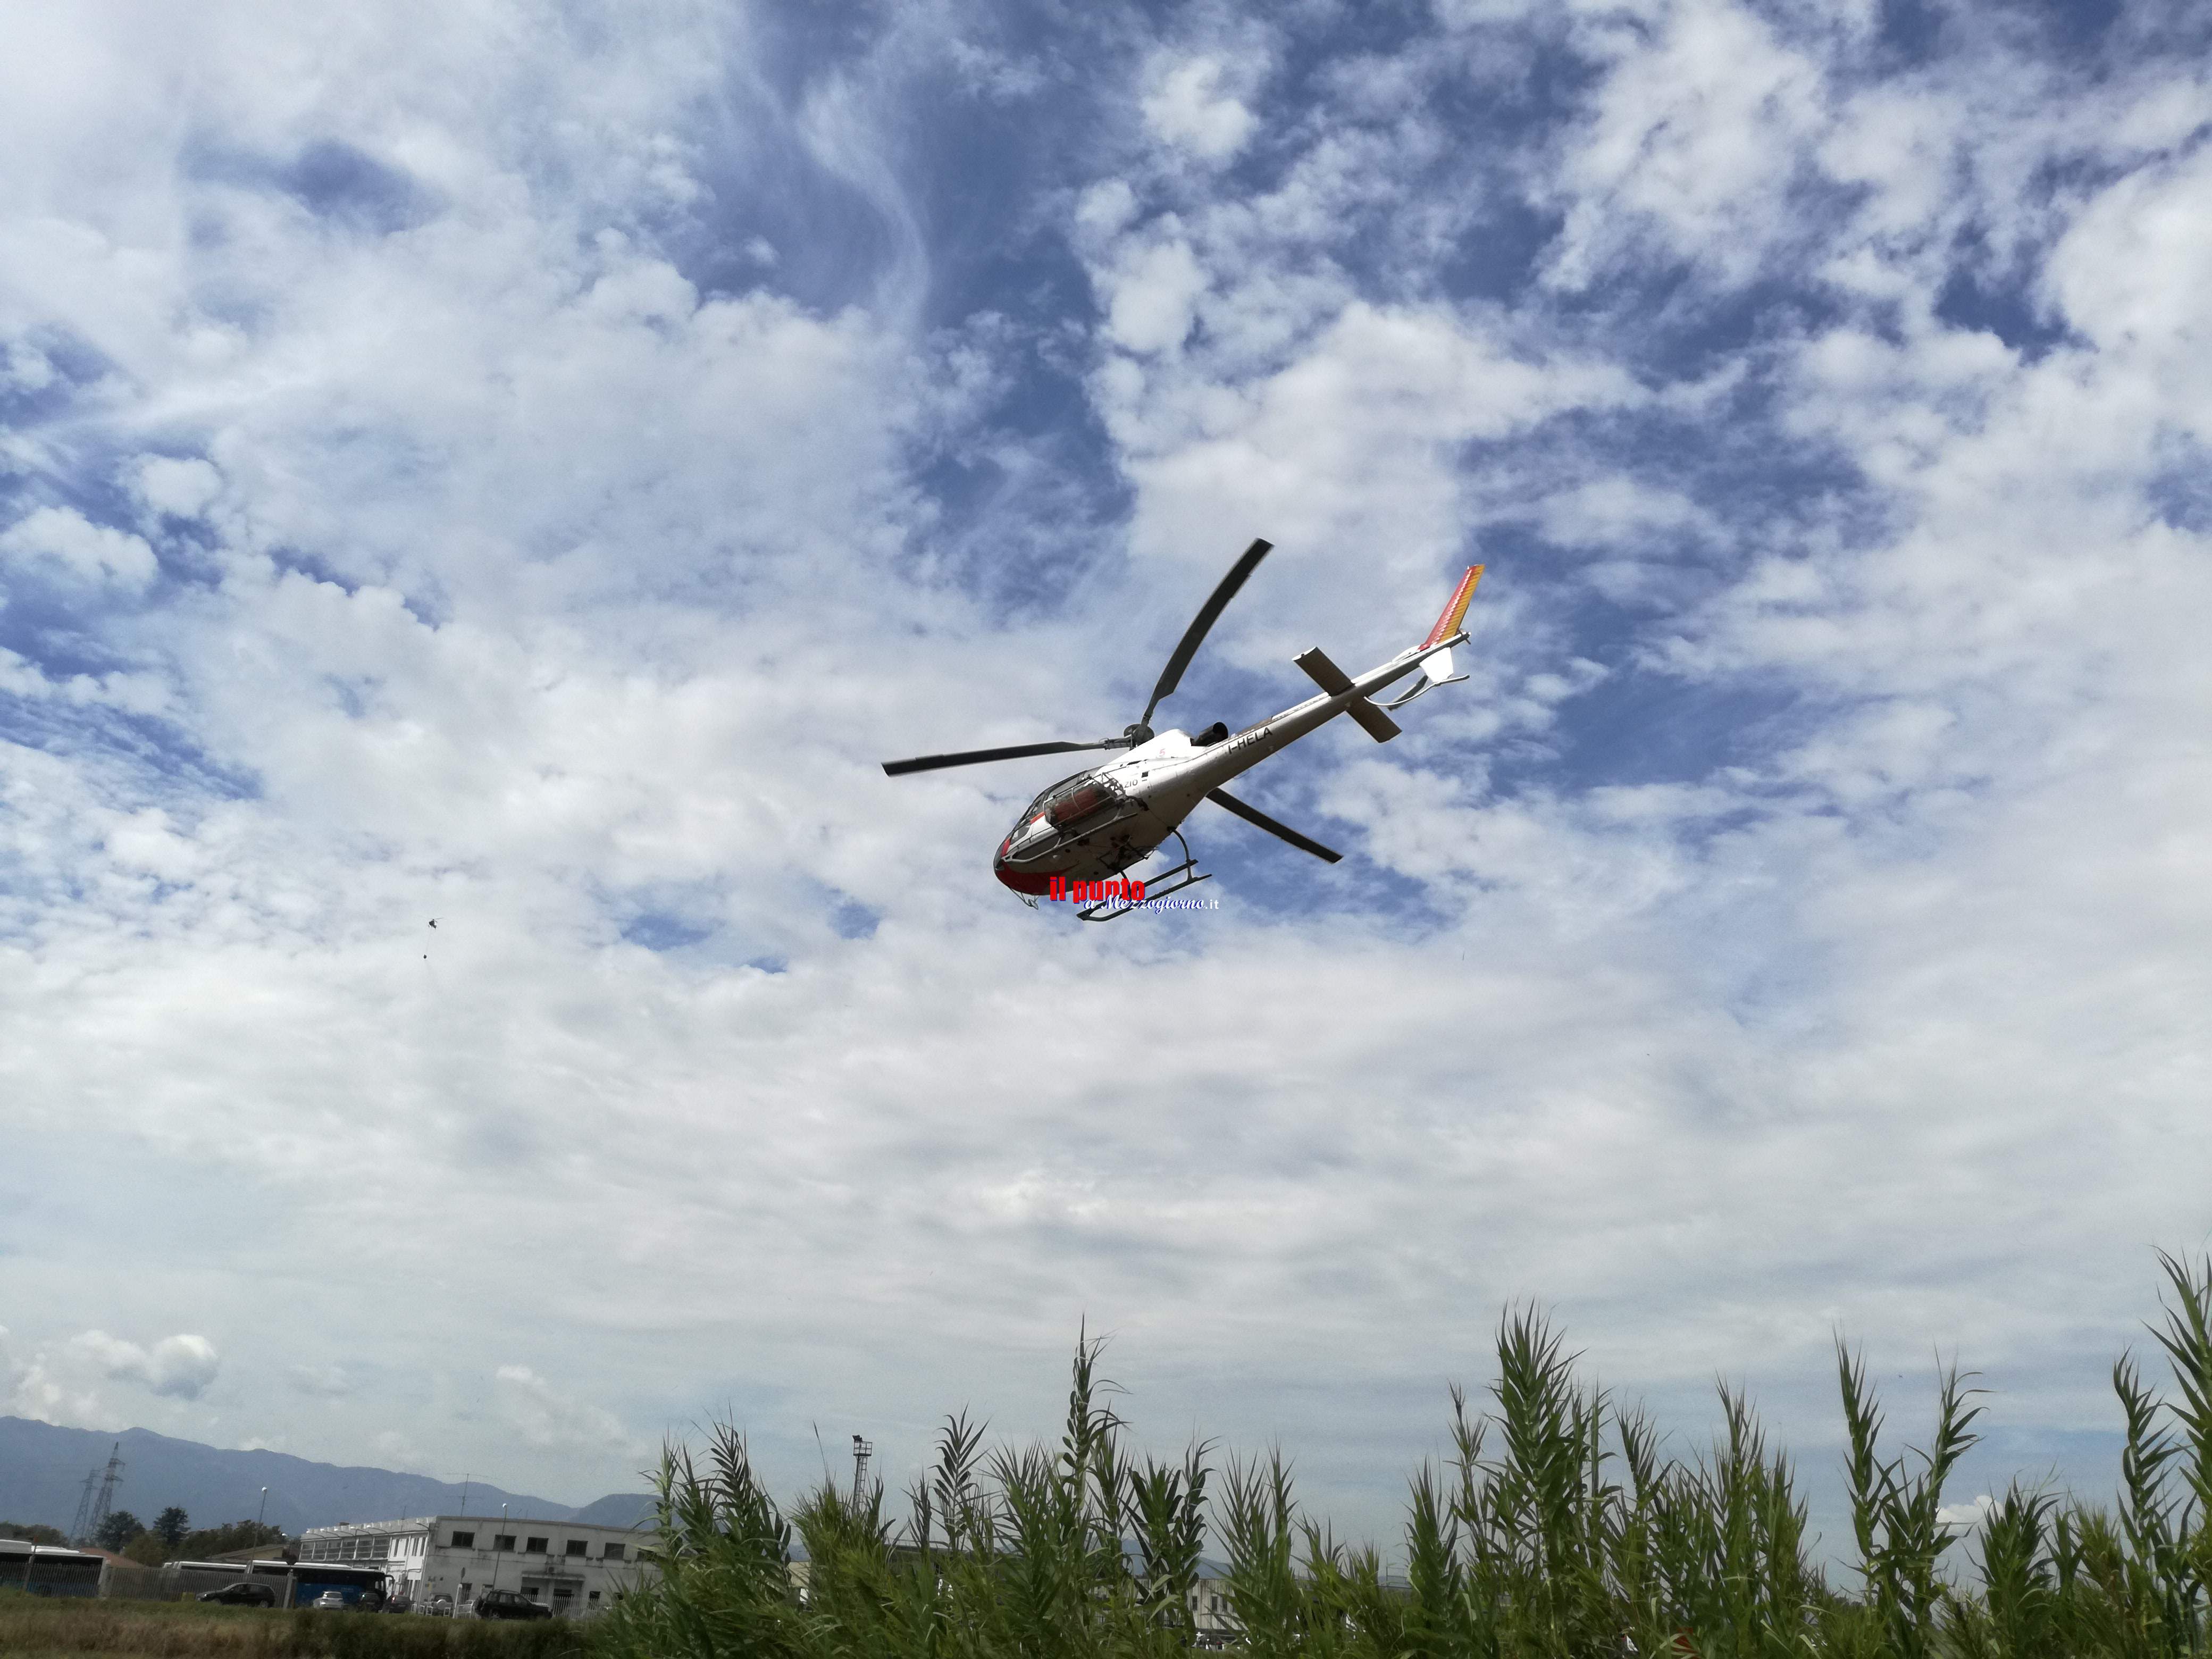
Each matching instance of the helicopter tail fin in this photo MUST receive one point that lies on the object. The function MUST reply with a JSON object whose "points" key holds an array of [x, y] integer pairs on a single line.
{"points": [[1436, 667], [1454, 612]]}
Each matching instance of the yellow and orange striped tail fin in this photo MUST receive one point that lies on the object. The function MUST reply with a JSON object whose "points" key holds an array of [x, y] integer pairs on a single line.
{"points": [[1456, 612]]}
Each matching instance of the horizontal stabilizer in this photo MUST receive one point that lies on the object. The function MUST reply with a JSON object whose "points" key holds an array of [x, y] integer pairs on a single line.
{"points": [[1333, 680]]}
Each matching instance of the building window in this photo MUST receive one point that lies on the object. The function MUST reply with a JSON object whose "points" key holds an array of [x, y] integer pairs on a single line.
{"points": [[464, 1540], [592, 1597], [576, 1548], [614, 1552], [531, 1591], [533, 1547], [502, 1540]]}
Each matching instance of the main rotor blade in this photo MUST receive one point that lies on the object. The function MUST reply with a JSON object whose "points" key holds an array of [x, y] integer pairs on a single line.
{"points": [[1254, 815], [1171, 676], [976, 756]]}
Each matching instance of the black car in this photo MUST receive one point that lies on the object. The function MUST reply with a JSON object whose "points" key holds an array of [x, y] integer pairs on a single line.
{"points": [[241, 1595], [506, 1604]]}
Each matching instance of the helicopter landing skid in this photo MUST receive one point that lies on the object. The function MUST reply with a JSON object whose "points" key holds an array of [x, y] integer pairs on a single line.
{"points": [[1177, 875]]}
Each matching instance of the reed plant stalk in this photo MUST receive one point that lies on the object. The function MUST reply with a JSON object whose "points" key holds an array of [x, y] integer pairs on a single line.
{"points": [[1557, 1528]]}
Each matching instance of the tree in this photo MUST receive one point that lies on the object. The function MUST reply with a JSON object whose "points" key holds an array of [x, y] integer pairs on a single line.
{"points": [[31, 1532], [171, 1525], [209, 1541], [147, 1549], [118, 1530]]}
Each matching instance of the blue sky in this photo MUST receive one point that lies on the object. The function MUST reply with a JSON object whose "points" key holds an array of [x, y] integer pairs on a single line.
{"points": [[491, 462]]}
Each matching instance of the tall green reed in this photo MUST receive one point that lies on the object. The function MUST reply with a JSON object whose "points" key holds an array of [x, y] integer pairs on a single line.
{"points": [[1556, 1527]]}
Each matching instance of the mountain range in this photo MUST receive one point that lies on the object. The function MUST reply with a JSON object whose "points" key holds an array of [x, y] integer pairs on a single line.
{"points": [[43, 1469]]}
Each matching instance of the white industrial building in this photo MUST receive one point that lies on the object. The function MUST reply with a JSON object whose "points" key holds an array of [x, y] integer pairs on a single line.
{"points": [[575, 1569]]}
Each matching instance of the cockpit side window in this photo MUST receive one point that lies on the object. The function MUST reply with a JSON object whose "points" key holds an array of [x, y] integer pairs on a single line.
{"points": [[1089, 797], [1036, 807]]}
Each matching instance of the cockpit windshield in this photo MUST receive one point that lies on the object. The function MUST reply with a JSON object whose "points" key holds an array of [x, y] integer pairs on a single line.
{"points": [[1073, 799], [1035, 808]]}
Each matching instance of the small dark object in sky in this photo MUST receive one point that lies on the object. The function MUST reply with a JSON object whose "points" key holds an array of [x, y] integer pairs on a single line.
{"points": [[433, 921]]}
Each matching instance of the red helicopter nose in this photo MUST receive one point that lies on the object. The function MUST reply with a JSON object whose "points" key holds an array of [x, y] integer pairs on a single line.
{"points": [[1014, 879], [1021, 881]]}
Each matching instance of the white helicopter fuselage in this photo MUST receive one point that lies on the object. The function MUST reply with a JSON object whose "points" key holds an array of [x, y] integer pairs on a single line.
{"points": [[1099, 823]]}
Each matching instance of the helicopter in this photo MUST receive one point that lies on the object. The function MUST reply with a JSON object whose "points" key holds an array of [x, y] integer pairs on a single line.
{"points": [[1079, 838]]}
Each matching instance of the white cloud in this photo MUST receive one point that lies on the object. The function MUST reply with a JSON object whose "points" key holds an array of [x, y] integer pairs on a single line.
{"points": [[180, 489], [28, 1390], [181, 1367], [62, 536], [24, 367], [395, 1450], [1152, 296], [2134, 271], [1621, 510], [546, 1417], [551, 562], [1188, 106], [1694, 137], [1966, 1515]]}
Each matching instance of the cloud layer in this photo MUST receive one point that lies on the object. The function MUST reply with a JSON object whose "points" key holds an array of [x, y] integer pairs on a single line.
{"points": [[452, 468]]}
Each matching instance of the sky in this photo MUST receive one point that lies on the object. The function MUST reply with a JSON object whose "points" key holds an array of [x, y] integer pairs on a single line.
{"points": [[527, 466]]}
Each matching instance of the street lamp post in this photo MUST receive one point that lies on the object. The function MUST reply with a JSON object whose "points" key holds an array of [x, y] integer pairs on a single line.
{"points": [[260, 1514], [496, 1551]]}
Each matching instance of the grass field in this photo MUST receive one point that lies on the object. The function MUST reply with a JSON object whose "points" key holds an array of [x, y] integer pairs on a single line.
{"points": [[33, 1627]]}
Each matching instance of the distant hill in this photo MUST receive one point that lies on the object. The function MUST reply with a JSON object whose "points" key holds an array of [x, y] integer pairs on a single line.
{"points": [[42, 1470], [620, 1509]]}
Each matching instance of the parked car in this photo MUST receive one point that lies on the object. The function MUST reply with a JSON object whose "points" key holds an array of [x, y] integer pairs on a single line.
{"points": [[438, 1606], [241, 1595], [331, 1600], [507, 1604]]}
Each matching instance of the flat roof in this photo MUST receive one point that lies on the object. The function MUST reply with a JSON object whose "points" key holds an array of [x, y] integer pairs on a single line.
{"points": [[425, 1522]]}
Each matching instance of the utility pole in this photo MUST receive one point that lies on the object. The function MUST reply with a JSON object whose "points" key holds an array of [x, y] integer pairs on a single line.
{"points": [[495, 1548]]}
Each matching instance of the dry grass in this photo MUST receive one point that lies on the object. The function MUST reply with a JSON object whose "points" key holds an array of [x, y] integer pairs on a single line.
{"points": [[32, 1627]]}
